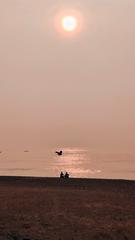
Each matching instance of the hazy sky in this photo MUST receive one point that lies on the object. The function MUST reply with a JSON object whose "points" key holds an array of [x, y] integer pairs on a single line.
{"points": [[71, 91]]}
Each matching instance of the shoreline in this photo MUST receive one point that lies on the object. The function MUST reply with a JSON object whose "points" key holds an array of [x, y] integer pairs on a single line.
{"points": [[71, 178]]}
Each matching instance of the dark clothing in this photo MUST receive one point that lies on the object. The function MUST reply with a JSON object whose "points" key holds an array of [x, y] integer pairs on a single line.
{"points": [[61, 175], [66, 175]]}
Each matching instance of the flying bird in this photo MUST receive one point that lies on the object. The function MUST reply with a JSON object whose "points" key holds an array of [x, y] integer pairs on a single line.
{"points": [[59, 153]]}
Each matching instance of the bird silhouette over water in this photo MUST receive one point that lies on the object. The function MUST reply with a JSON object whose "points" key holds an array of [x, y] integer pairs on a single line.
{"points": [[59, 153]]}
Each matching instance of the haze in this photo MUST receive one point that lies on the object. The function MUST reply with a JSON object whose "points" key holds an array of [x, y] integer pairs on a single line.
{"points": [[58, 91]]}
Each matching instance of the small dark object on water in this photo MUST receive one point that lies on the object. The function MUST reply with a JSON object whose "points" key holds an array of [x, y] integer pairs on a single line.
{"points": [[59, 153]]}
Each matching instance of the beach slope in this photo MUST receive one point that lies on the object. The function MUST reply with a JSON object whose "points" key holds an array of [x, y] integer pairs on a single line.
{"points": [[51, 208]]}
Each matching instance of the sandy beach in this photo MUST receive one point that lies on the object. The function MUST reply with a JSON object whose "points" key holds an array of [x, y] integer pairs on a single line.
{"points": [[52, 208]]}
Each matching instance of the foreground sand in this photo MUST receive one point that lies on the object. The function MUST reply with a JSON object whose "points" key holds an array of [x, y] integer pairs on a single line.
{"points": [[51, 208]]}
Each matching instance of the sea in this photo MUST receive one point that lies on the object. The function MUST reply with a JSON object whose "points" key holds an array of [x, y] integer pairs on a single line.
{"points": [[78, 162]]}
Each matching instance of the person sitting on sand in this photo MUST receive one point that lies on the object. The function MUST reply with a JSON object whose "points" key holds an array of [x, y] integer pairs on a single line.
{"points": [[61, 175], [66, 175]]}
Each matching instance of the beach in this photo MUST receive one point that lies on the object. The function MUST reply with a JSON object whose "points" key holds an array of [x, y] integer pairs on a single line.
{"points": [[33, 208]]}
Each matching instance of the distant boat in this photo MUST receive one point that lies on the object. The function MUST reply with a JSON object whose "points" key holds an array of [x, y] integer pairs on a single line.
{"points": [[26, 151], [59, 153]]}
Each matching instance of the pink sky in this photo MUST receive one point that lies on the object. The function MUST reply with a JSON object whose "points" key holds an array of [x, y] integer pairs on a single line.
{"points": [[76, 91]]}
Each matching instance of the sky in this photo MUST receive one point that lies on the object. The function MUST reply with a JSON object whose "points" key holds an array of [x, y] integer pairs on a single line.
{"points": [[60, 90]]}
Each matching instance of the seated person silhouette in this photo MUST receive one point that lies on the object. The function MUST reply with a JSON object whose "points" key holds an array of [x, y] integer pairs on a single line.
{"points": [[66, 175], [61, 175]]}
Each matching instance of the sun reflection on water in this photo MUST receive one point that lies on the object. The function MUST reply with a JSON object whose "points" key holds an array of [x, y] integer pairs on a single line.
{"points": [[74, 161]]}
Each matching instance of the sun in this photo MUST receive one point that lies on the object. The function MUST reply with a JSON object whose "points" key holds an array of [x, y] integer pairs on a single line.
{"points": [[69, 23]]}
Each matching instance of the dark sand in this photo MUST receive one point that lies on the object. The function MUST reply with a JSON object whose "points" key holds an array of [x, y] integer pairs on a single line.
{"points": [[52, 208]]}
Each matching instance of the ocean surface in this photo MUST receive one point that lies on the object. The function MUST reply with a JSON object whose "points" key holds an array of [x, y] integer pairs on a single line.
{"points": [[79, 162]]}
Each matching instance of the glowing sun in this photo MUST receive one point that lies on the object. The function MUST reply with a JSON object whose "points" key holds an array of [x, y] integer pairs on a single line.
{"points": [[69, 23]]}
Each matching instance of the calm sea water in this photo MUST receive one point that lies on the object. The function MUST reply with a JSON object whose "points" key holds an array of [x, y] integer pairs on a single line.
{"points": [[79, 162]]}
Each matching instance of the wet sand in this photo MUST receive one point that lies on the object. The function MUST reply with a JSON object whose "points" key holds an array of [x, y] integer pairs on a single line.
{"points": [[52, 208]]}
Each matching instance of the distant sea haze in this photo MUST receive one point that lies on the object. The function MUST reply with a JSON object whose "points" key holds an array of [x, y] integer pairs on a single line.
{"points": [[79, 162]]}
